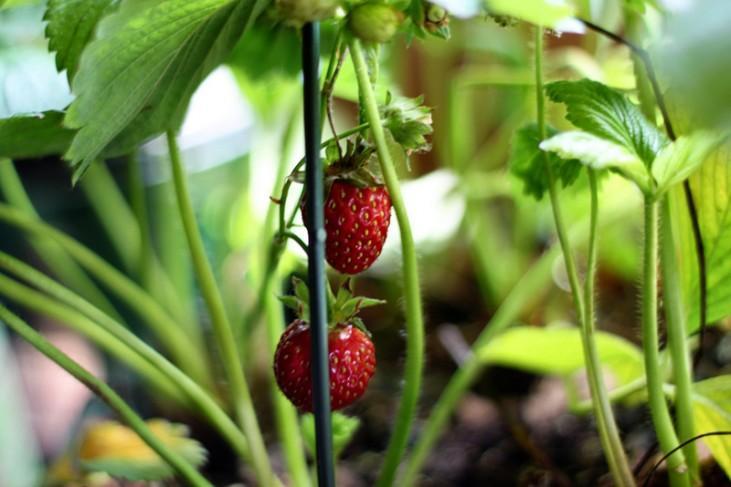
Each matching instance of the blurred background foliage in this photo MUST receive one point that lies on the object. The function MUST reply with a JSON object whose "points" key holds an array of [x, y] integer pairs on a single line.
{"points": [[477, 232]]}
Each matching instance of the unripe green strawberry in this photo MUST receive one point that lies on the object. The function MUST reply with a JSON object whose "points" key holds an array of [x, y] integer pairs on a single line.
{"points": [[375, 21], [298, 12], [352, 362]]}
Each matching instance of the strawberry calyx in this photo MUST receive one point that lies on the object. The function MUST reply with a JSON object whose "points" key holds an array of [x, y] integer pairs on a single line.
{"points": [[343, 307], [357, 166]]}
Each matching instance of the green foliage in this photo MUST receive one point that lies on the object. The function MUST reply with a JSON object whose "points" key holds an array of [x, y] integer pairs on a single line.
{"points": [[137, 77], [343, 429], [70, 27], [712, 412], [409, 122], [601, 111], [591, 150], [558, 351], [280, 44], [711, 187], [539, 12], [528, 162], [34, 135], [679, 159]]}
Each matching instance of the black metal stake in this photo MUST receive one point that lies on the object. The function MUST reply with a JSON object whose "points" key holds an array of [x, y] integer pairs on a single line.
{"points": [[316, 255]]}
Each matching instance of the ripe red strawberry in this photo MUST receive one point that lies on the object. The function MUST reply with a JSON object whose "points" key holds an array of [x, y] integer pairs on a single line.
{"points": [[356, 224], [352, 357], [352, 360]]}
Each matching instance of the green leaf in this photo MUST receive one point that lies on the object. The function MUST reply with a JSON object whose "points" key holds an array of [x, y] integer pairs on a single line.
{"points": [[558, 351], [136, 79], [34, 135], [678, 160], [70, 27], [409, 121], [548, 13], [589, 149], [528, 162], [711, 187], [712, 412], [601, 111], [343, 428]]}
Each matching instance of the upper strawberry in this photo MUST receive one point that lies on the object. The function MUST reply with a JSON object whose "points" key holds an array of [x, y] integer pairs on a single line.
{"points": [[356, 224]]}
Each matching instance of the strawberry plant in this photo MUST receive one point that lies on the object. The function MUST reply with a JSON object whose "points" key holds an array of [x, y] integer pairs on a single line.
{"points": [[539, 158]]}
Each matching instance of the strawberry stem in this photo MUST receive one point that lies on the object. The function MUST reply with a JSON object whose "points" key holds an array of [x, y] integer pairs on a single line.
{"points": [[412, 293]]}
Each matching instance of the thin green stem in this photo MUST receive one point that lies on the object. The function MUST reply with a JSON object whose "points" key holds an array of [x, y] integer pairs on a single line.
{"points": [[529, 289], [677, 340], [138, 201], [658, 406], [207, 406], [187, 471], [412, 293], [37, 302], [223, 332], [166, 329], [584, 303], [52, 254]]}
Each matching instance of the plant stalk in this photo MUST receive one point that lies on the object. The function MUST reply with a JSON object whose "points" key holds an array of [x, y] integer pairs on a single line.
{"points": [[107, 394], [412, 293], [207, 406], [658, 406], [240, 396], [677, 341], [185, 352], [606, 424]]}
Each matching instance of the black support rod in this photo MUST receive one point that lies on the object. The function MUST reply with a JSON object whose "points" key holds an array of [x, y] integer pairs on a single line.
{"points": [[316, 255]]}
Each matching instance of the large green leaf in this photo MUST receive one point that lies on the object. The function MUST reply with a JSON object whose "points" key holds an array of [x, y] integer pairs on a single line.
{"points": [[558, 351], [712, 412], [136, 79], [711, 187], [528, 162], [70, 27], [34, 135], [599, 110]]}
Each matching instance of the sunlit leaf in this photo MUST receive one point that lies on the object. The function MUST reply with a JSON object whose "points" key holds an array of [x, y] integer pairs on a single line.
{"points": [[548, 13], [679, 159], [136, 78], [711, 188], [601, 111], [712, 412], [558, 351], [528, 162], [70, 27]]}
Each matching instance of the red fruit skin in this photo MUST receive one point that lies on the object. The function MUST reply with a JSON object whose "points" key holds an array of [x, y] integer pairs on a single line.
{"points": [[356, 224], [352, 361]]}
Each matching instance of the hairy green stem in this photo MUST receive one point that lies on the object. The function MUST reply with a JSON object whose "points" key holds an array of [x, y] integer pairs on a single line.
{"points": [[658, 406], [187, 471], [677, 341], [37, 302], [52, 254], [412, 293], [223, 332], [207, 406], [185, 352], [606, 425]]}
